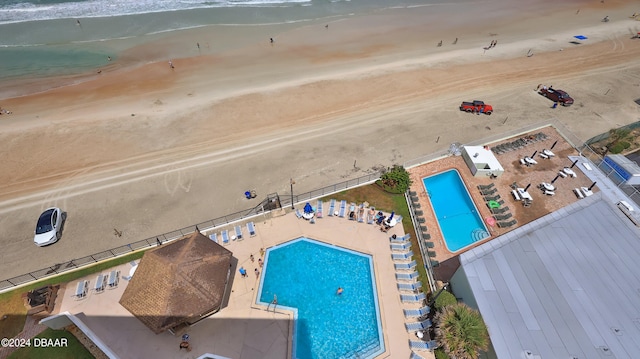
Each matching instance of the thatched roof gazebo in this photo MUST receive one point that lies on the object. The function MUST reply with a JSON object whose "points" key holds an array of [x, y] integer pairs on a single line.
{"points": [[179, 283]]}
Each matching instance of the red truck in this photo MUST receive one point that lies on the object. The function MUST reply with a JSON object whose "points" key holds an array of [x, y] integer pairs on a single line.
{"points": [[476, 107]]}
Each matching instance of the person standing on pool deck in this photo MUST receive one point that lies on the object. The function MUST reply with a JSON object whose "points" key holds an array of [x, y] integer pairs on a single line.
{"points": [[339, 291]]}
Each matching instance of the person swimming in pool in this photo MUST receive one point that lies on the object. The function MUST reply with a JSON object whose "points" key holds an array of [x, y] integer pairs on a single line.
{"points": [[339, 291]]}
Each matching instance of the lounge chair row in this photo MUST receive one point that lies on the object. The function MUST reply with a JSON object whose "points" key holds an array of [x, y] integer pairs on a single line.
{"points": [[519, 143], [225, 238]]}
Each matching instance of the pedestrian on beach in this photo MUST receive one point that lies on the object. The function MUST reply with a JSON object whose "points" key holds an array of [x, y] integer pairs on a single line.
{"points": [[271, 38], [440, 43], [455, 41], [251, 257], [555, 105], [108, 58], [198, 45], [171, 64], [326, 26]]}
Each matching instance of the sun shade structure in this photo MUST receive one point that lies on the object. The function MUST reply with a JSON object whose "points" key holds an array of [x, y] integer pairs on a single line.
{"points": [[481, 161], [179, 283]]}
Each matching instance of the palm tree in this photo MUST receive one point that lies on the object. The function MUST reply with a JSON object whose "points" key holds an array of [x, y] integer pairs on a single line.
{"points": [[461, 332]]}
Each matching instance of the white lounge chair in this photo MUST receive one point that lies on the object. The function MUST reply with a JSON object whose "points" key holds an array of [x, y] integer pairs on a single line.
{"points": [[402, 239], [422, 345], [251, 229], [343, 208], [238, 233], [549, 193], [101, 280], [412, 298], [416, 313], [81, 289], [402, 256], [400, 246], [332, 207], [114, 279], [407, 276], [415, 326], [225, 236], [409, 287], [405, 266], [319, 209]]}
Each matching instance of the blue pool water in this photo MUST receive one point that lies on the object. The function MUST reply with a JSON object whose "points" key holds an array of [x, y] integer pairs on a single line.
{"points": [[305, 275], [457, 215]]}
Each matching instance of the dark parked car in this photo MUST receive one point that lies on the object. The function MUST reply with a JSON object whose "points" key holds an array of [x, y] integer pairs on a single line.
{"points": [[557, 96]]}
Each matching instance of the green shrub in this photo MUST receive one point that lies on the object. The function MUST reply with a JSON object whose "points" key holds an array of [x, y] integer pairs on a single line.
{"points": [[445, 298], [617, 147], [440, 354], [395, 180]]}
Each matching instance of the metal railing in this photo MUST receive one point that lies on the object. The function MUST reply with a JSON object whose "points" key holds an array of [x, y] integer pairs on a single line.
{"points": [[271, 202]]}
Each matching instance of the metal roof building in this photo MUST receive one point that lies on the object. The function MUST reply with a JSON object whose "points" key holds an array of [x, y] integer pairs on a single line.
{"points": [[564, 286]]}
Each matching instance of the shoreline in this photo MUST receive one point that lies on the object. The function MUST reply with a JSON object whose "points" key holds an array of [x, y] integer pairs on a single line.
{"points": [[303, 80]]}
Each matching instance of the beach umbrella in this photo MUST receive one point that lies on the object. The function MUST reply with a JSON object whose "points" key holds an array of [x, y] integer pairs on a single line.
{"points": [[553, 180], [391, 216], [574, 164], [534, 153], [527, 188], [554, 145], [307, 208], [592, 185]]}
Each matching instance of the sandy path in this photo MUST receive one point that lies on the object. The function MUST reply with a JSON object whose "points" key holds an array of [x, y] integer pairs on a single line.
{"points": [[190, 151]]}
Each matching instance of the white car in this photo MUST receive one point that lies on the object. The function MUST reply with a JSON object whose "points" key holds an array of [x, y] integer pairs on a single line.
{"points": [[48, 227]]}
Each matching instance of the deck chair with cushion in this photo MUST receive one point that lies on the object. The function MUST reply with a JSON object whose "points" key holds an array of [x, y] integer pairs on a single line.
{"points": [[422, 345], [343, 209], [429, 244], [225, 236], [415, 326], [413, 298], [251, 228], [319, 209], [406, 266], [401, 246], [507, 224], [332, 207], [238, 233], [81, 289], [214, 237], [409, 287], [407, 276], [100, 284], [418, 312], [402, 239], [415, 355], [402, 256], [298, 213], [114, 279]]}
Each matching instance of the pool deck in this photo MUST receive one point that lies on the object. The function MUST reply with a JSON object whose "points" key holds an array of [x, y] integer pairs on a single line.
{"points": [[243, 330], [545, 171]]}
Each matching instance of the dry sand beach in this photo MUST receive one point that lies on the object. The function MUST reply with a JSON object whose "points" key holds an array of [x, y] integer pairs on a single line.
{"points": [[147, 149]]}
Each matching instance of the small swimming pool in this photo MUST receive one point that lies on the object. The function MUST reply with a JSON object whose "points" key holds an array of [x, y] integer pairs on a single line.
{"points": [[456, 214], [304, 275]]}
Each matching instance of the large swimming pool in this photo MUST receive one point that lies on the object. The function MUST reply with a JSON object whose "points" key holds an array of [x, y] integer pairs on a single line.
{"points": [[304, 275], [457, 215]]}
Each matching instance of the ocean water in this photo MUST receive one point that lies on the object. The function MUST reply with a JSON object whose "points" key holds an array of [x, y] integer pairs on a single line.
{"points": [[41, 38]]}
